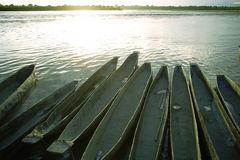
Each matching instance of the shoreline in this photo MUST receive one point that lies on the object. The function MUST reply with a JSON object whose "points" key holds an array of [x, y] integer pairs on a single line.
{"points": [[220, 11], [31, 7]]}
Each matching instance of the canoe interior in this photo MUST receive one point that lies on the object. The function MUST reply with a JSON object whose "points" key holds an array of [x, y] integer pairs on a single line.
{"points": [[166, 147], [10, 85], [94, 109], [124, 151], [230, 98], [216, 131], [116, 124], [183, 128], [20, 126], [99, 100], [65, 110], [151, 126], [8, 91], [11, 104], [86, 89]]}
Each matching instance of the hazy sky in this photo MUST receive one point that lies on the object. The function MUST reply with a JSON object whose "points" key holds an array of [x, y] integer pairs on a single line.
{"points": [[124, 2]]}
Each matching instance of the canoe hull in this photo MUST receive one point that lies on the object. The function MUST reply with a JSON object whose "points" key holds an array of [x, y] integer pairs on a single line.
{"points": [[117, 123], [26, 76], [216, 131], [12, 132], [151, 126], [67, 109], [229, 94], [89, 116], [183, 126]]}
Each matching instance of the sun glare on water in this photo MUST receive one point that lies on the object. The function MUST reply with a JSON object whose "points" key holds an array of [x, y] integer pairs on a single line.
{"points": [[85, 30], [93, 30]]}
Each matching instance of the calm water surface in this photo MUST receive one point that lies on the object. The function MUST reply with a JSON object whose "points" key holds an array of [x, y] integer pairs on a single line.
{"points": [[73, 44]]}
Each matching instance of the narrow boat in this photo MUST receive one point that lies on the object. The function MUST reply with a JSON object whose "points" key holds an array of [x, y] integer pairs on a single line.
{"points": [[124, 150], [95, 108], [12, 132], [121, 117], [165, 150], [15, 88], [65, 110], [229, 94], [183, 126], [149, 135], [216, 131]]}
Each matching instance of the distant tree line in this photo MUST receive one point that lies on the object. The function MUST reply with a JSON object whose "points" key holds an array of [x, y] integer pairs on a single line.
{"points": [[31, 7], [181, 7]]}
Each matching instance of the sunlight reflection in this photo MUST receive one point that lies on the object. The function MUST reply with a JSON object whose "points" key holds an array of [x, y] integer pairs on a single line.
{"points": [[85, 31], [89, 32]]}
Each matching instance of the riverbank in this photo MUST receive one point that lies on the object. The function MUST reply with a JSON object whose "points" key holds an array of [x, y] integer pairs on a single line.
{"points": [[185, 8], [31, 7]]}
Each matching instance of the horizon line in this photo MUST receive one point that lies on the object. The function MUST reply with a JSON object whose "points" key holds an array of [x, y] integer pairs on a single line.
{"points": [[236, 5]]}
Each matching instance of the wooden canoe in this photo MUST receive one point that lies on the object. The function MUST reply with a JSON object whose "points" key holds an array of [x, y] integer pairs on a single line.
{"points": [[65, 110], [229, 93], [216, 131], [183, 126], [95, 108], [21, 125], [149, 135], [121, 117], [124, 151], [165, 150], [15, 88]]}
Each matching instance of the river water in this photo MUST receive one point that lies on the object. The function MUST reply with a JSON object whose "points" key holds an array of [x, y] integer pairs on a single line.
{"points": [[67, 45]]}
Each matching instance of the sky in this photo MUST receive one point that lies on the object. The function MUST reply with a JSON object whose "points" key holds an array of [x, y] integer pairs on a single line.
{"points": [[125, 2]]}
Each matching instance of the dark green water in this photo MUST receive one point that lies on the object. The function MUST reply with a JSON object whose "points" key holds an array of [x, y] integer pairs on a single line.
{"points": [[73, 44]]}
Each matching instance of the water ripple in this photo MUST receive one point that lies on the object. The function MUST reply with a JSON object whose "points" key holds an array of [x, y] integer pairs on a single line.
{"points": [[72, 45]]}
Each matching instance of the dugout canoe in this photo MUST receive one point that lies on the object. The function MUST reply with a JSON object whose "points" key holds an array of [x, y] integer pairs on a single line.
{"points": [[121, 117], [15, 88], [65, 110], [220, 140], [229, 94], [148, 138], [183, 127], [13, 131], [95, 108]]}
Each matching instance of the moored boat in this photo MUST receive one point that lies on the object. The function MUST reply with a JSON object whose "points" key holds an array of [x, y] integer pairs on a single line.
{"points": [[218, 136], [229, 94], [121, 117], [65, 110], [183, 127], [95, 108], [15, 88], [12, 132], [149, 135]]}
